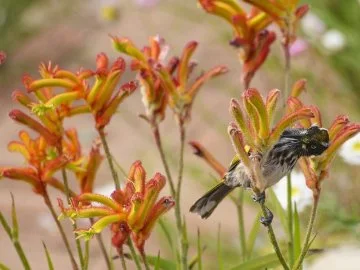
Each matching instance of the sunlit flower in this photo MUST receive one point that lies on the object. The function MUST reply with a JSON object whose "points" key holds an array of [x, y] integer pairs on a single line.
{"points": [[350, 150], [300, 194], [333, 40]]}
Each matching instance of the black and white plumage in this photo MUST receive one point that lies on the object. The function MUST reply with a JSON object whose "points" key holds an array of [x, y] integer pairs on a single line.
{"points": [[275, 164]]}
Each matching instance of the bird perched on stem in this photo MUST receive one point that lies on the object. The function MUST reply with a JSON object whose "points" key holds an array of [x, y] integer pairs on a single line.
{"points": [[275, 163]]}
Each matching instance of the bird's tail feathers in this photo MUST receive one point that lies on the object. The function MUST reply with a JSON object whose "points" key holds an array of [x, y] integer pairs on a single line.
{"points": [[207, 203]]}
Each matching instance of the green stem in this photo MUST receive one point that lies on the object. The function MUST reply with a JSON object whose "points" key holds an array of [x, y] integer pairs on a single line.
{"points": [[273, 240], [74, 226], [16, 243], [306, 247], [86, 256], [109, 158], [102, 247], [61, 229], [133, 254], [240, 211], [122, 258], [290, 221], [146, 264], [179, 222]]}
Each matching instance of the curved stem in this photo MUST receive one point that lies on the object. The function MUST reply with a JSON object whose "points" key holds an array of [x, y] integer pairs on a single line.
{"points": [[61, 229], [133, 254], [240, 211], [273, 239], [305, 247], [109, 158]]}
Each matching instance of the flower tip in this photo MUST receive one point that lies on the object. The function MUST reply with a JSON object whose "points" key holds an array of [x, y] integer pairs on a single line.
{"points": [[27, 80], [102, 61], [196, 148]]}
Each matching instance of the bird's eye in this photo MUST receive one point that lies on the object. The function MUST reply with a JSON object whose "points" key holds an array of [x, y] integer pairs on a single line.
{"points": [[313, 146]]}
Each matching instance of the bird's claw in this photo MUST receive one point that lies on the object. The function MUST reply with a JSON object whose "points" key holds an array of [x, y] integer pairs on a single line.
{"points": [[259, 198], [266, 221]]}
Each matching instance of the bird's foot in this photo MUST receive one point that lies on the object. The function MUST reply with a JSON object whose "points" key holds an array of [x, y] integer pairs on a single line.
{"points": [[259, 198], [266, 221]]}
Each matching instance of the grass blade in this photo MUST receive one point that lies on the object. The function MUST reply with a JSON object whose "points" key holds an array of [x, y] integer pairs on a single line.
{"points": [[199, 250], [15, 228], [254, 232], [297, 233], [219, 249], [157, 265], [48, 258], [3, 267]]}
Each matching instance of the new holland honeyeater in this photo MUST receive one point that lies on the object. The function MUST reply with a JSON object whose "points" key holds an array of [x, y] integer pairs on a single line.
{"points": [[275, 163]]}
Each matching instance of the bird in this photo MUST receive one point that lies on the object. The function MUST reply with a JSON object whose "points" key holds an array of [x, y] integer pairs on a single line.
{"points": [[275, 163]]}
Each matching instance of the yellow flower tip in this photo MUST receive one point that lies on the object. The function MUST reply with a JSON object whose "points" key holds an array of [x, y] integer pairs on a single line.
{"points": [[40, 109]]}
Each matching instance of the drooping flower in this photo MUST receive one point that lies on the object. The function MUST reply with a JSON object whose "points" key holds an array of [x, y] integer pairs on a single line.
{"points": [[250, 36], [300, 194], [168, 83], [131, 211]]}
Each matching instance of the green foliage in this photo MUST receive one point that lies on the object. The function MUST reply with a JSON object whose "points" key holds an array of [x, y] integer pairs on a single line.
{"points": [[48, 257]]}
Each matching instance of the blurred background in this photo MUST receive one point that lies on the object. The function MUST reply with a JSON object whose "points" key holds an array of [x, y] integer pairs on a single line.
{"points": [[72, 33]]}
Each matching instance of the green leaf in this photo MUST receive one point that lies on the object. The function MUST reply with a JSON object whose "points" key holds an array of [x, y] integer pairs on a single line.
{"points": [[15, 229], [254, 232], [278, 209], [157, 264], [262, 262], [219, 249], [5, 225], [163, 264], [199, 250], [297, 233], [48, 258]]}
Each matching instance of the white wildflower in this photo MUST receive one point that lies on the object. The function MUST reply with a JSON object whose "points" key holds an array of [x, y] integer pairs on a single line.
{"points": [[312, 25], [350, 150], [333, 40], [300, 193]]}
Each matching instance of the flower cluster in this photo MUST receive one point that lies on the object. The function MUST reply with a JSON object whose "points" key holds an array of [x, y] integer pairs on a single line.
{"points": [[253, 127], [165, 83], [132, 210], [316, 169]]}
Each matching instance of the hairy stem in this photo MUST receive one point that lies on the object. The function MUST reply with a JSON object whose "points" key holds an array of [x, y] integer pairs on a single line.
{"points": [[102, 247], [305, 247], [146, 264], [240, 211], [109, 158], [290, 221], [273, 239], [133, 254], [61, 229], [77, 241]]}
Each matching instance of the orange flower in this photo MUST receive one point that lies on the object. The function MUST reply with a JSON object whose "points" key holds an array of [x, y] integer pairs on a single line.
{"points": [[132, 210], [164, 84]]}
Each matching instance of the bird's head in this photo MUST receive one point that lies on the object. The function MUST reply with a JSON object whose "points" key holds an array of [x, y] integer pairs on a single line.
{"points": [[314, 141]]}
